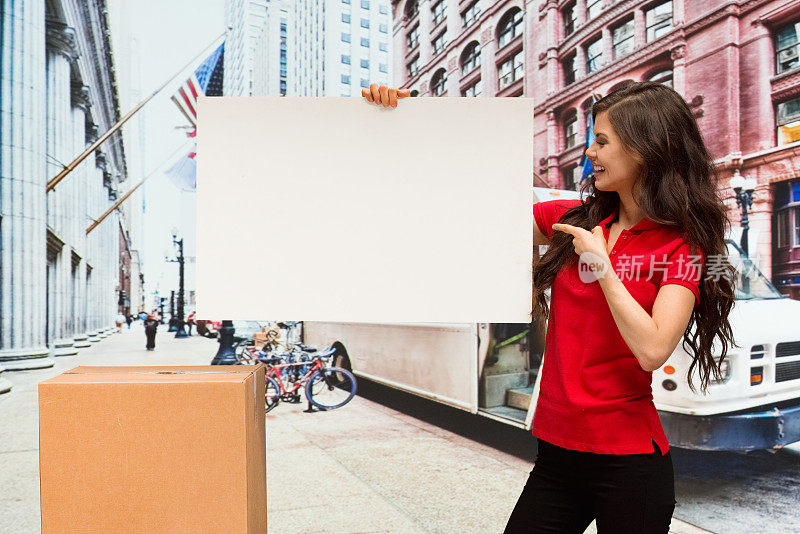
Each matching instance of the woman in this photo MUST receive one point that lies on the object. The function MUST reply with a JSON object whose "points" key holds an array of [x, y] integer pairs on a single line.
{"points": [[626, 270], [150, 326]]}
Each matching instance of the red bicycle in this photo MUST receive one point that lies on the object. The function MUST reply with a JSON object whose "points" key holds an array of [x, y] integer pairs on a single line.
{"points": [[326, 387]]}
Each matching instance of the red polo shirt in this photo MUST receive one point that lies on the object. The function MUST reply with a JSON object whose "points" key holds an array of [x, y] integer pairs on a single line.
{"points": [[594, 396]]}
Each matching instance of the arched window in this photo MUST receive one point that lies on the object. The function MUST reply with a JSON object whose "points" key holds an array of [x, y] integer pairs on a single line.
{"points": [[663, 76], [620, 85], [438, 82], [470, 58], [510, 26], [570, 128], [412, 9]]}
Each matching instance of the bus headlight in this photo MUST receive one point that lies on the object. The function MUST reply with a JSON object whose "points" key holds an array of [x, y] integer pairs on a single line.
{"points": [[725, 371]]}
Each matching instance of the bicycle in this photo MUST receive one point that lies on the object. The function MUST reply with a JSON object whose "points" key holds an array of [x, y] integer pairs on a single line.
{"points": [[327, 388]]}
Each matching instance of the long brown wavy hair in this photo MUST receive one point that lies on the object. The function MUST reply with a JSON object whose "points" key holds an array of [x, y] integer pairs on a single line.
{"points": [[676, 187]]}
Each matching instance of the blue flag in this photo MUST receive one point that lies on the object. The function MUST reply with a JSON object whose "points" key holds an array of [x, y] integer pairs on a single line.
{"points": [[587, 165]]}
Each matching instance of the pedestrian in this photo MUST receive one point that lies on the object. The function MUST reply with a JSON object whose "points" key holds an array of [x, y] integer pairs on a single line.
{"points": [[129, 320], [150, 326], [652, 202], [190, 322], [118, 322]]}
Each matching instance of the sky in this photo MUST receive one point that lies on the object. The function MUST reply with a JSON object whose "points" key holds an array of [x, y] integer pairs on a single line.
{"points": [[151, 41]]}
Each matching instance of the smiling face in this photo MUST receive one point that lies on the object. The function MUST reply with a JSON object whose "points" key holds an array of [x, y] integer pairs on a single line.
{"points": [[615, 168]]}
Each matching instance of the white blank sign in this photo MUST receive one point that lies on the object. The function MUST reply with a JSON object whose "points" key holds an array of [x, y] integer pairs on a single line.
{"points": [[335, 209]]}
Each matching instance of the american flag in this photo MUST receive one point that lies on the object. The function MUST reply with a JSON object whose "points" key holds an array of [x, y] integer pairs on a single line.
{"points": [[206, 80]]}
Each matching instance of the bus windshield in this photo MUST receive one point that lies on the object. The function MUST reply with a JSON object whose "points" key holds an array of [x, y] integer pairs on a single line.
{"points": [[750, 282]]}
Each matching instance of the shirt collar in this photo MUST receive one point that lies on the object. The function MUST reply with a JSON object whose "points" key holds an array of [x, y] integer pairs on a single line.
{"points": [[644, 224]]}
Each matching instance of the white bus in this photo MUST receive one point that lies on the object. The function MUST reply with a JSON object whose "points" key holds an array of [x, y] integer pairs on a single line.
{"points": [[493, 369]]}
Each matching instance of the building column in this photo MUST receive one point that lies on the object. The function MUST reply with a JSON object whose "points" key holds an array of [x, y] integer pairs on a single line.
{"points": [[488, 68], [678, 55], [22, 189], [61, 53], [639, 29], [608, 47], [80, 107], [553, 143]]}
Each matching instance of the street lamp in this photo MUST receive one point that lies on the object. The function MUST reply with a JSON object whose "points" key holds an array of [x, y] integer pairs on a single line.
{"points": [[181, 331], [743, 187]]}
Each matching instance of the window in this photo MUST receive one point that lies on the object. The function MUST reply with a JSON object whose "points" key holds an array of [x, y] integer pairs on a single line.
{"points": [[510, 27], [594, 55], [658, 20], [511, 70], [663, 77], [412, 39], [413, 67], [787, 205], [346, 2], [345, 37], [364, 63], [346, 17], [787, 48], [788, 121], [365, 23], [622, 40], [365, 42], [384, 47], [439, 43], [365, 4], [345, 59], [593, 8], [572, 176], [472, 90], [412, 9], [470, 58], [383, 9], [383, 67], [438, 12], [471, 14], [570, 128], [383, 28], [364, 83], [570, 17], [346, 78], [439, 82], [570, 68]]}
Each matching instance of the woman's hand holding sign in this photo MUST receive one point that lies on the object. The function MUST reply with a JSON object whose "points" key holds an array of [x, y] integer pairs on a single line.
{"points": [[383, 95]]}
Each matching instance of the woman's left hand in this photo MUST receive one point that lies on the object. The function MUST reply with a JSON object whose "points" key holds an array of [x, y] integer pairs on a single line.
{"points": [[586, 241]]}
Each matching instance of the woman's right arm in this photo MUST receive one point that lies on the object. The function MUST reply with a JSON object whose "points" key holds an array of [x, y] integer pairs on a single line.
{"points": [[538, 237]]}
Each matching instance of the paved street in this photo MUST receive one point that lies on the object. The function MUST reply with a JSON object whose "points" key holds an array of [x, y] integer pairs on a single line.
{"points": [[367, 467]]}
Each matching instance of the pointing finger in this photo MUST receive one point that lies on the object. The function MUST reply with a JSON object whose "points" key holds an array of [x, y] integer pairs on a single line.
{"points": [[568, 228], [402, 93]]}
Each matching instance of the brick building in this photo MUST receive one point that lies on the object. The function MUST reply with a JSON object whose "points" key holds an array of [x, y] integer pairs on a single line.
{"points": [[735, 62]]}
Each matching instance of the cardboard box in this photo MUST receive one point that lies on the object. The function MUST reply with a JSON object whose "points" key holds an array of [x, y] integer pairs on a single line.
{"points": [[153, 449]]}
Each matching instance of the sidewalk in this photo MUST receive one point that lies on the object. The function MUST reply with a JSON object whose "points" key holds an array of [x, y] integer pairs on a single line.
{"points": [[362, 468]]}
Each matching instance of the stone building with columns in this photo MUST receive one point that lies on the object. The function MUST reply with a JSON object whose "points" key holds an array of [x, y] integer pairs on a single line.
{"points": [[58, 285], [735, 62]]}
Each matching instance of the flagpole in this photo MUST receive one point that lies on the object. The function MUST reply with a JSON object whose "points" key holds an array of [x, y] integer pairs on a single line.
{"points": [[71, 166], [117, 204]]}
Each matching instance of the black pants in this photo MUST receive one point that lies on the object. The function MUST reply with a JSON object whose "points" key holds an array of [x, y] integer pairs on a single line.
{"points": [[151, 337], [566, 490]]}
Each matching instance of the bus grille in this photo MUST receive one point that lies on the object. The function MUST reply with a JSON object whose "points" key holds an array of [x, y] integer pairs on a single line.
{"points": [[787, 371], [788, 348]]}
